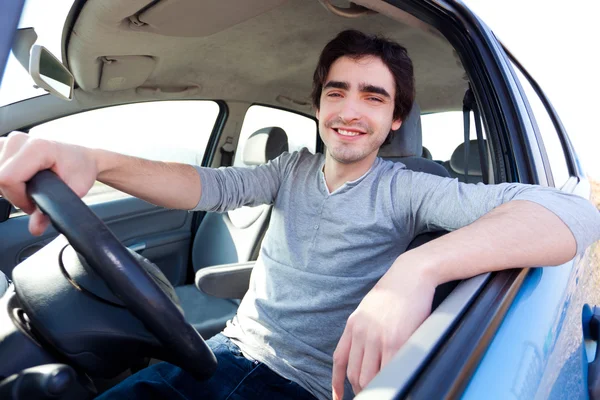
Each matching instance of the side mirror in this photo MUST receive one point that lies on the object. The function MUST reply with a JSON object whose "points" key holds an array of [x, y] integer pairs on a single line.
{"points": [[50, 74]]}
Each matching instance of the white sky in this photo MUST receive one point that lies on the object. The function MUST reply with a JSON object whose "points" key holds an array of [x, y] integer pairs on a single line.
{"points": [[555, 42]]}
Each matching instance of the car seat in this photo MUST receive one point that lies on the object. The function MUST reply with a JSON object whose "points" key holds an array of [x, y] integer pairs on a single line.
{"points": [[456, 165], [232, 280], [406, 146], [230, 237]]}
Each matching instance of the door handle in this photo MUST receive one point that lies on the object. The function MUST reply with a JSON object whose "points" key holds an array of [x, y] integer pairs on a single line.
{"points": [[137, 247]]}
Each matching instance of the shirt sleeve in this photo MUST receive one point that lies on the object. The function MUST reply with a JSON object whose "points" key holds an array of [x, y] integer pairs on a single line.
{"points": [[228, 188], [439, 203]]}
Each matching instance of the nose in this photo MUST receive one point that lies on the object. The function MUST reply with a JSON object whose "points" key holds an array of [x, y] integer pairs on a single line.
{"points": [[350, 110]]}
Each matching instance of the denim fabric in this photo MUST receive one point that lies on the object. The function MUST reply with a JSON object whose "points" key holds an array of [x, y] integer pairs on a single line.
{"points": [[236, 378]]}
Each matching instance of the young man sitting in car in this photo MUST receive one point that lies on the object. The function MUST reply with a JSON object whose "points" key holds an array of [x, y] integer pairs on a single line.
{"points": [[333, 294]]}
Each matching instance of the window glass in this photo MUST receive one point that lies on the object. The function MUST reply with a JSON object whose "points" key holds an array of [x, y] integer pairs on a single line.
{"points": [[301, 130], [167, 131], [444, 138], [443, 132], [48, 19], [554, 150]]}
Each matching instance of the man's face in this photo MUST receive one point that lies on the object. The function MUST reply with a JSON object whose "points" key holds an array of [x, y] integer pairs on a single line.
{"points": [[357, 105]]}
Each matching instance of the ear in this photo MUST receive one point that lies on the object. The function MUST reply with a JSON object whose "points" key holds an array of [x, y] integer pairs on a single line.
{"points": [[317, 113], [395, 124]]}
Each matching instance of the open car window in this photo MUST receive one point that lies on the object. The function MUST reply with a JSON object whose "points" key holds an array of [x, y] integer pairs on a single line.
{"points": [[301, 130], [443, 132], [444, 142], [176, 131]]}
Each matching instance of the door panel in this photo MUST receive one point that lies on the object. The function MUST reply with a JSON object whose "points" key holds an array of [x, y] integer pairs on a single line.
{"points": [[165, 234], [161, 235]]}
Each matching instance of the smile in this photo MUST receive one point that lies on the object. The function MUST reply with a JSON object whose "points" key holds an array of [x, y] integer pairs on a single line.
{"points": [[345, 132]]}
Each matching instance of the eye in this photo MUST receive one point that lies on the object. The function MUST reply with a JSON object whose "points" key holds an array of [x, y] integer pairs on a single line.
{"points": [[375, 99], [333, 94]]}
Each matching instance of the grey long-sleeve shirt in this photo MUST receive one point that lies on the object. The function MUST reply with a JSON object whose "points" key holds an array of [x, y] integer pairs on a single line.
{"points": [[323, 252]]}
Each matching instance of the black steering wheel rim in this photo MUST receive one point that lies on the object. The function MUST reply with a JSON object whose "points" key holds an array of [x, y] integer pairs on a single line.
{"points": [[122, 273]]}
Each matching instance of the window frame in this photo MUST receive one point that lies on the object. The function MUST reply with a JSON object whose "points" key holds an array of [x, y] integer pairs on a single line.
{"points": [[211, 146], [302, 114], [506, 122], [566, 145], [320, 145]]}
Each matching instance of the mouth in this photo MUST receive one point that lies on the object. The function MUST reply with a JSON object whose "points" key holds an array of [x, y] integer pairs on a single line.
{"points": [[348, 133]]}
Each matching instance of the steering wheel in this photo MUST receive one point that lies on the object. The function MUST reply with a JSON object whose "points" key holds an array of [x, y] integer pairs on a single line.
{"points": [[122, 273]]}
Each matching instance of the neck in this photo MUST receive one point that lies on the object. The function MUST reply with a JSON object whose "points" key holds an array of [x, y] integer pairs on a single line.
{"points": [[337, 173]]}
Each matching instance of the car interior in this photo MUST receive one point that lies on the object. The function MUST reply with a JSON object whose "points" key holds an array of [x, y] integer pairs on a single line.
{"points": [[240, 55]]}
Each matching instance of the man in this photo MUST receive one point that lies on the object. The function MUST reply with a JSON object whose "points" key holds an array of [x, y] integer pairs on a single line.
{"points": [[333, 294]]}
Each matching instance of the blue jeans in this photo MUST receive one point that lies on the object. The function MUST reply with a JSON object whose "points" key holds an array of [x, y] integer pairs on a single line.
{"points": [[236, 378]]}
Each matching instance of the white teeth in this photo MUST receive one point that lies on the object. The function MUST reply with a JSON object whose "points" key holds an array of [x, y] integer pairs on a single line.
{"points": [[347, 133]]}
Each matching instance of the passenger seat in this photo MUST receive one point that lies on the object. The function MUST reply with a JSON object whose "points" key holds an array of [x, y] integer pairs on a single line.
{"points": [[230, 237], [456, 164], [406, 146]]}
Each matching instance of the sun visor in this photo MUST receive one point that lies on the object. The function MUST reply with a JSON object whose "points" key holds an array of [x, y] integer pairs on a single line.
{"points": [[125, 72], [192, 18]]}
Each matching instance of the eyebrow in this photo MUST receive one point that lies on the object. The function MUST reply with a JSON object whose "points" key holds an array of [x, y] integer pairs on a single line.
{"points": [[374, 89], [363, 87], [337, 85]]}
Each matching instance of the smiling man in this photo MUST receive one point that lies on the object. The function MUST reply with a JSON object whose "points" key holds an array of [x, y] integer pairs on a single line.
{"points": [[354, 116], [334, 293]]}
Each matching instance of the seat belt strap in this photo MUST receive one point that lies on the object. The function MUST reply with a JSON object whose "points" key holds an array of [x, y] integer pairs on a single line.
{"points": [[467, 102], [227, 152], [480, 143]]}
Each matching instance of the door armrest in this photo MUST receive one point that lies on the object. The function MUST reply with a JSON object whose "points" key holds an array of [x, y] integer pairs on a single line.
{"points": [[226, 281]]}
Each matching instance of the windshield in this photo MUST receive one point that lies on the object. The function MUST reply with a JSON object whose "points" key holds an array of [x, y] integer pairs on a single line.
{"points": [[47, 18]]}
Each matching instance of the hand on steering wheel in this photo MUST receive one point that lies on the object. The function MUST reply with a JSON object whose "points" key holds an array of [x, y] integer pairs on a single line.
{"points": [[122, 273]]}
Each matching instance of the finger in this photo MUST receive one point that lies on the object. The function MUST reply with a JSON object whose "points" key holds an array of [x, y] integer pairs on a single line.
{"points": [[340, 362], [390, 348], [371, 362], [355, 359], [20, 165], [11, 144], [20, 138], [15, 194], [11, 187], [38, 223]]}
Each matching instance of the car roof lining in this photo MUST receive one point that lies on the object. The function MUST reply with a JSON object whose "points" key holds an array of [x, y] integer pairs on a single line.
{"points": [[267, 58]]}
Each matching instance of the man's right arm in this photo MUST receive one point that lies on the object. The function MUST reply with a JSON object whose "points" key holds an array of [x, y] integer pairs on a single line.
{"points": [[169, 185], [166, 184]]}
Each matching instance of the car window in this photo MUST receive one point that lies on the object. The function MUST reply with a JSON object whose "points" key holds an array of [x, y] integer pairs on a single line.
{"points": [[549, 135], [443, 136], [167, 131], [301, 130], [443, 132]]}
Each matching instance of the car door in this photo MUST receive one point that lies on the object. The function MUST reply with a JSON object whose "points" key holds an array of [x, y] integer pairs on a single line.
{"points": [[167, 131], [545, 343], [516, 333]]}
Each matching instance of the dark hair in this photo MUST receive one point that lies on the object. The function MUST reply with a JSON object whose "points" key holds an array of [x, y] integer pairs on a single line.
{"points": [[355, 44]]}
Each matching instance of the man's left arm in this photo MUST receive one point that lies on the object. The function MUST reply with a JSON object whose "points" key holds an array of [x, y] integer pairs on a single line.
{"points": [[515, 234]]}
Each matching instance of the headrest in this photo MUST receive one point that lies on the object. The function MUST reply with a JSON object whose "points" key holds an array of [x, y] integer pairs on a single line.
{"points": [[427, 153], [457, 161], [406, 141], [264, 145]]}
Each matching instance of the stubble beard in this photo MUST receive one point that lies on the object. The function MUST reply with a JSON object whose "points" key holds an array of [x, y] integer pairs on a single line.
{"points": [[348, 153]]}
